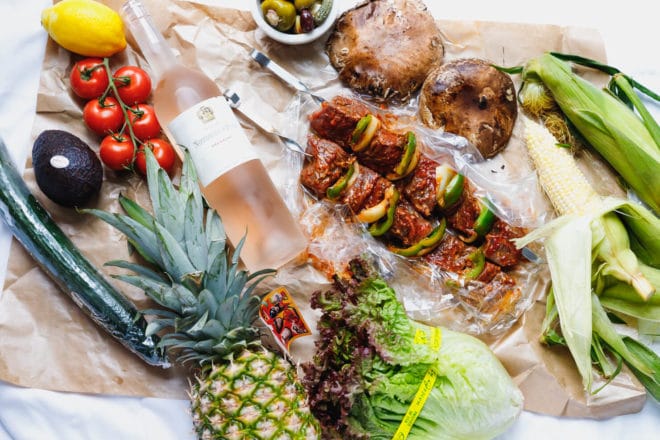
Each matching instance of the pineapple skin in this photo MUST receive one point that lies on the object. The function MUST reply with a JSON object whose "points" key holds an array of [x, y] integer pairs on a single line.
{"points": [[256, 395]]}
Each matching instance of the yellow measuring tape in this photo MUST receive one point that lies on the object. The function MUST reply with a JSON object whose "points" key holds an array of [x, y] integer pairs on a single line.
{"points": [[422, 394]]}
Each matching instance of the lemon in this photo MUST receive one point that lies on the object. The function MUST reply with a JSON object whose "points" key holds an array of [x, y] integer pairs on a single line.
{"points": [[85, 27]]}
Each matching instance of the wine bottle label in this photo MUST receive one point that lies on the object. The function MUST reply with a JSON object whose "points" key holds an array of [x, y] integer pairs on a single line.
{"points": [[215, 139]]}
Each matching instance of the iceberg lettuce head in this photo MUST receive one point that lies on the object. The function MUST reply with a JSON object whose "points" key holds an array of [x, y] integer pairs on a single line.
{"points": [[371, 360]]}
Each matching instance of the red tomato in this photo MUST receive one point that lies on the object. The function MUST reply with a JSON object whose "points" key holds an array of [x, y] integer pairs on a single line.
{"points": [[133, 84], [103, 117], [89, 78], [117, 152], [143, 119], [163, 152]]}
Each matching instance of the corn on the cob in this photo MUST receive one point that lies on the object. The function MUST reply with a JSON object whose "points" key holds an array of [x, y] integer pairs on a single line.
{"points": [[588, 231], [571, 194], [614, 130], [561, 179]]}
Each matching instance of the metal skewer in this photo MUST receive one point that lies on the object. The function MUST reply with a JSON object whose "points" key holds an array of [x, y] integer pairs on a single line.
{"points": [[283, 74], [235, 102]]}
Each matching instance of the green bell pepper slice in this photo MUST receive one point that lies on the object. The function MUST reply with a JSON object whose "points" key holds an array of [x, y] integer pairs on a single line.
{"points": [[340, 185], [408, 154], [425, 245], [378, 229], [485, 221], [453, 192], [360, 127], [479, 260]]}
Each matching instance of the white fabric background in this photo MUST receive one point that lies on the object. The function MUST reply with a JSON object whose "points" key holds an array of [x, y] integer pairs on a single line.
{"points": [[631, 35]]}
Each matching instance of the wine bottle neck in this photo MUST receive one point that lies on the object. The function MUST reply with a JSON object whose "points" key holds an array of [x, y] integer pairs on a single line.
{"points": [[155, 49]]}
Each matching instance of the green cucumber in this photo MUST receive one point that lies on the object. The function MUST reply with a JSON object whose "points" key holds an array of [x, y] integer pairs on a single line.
{"points": [[320, 11], [43, 239]]}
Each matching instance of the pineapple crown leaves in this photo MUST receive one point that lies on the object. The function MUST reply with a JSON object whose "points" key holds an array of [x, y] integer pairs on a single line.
{"points": [[208, 302]]}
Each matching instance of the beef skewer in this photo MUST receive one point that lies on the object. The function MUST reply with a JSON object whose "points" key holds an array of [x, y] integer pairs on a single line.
{"points": [[351, 124], [332, 173], [430, 187]]}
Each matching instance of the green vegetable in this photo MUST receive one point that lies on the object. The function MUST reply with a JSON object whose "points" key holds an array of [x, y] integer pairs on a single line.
{"points": [[588, 244], [359, 128], [380, 228], [607, 345], [321, 10], [648, 357], [425, 245], [449, 186], [378, 211], [454, 191], [364, 132], [479, 260], [340, 185], [371, 360], [69, 268], [485, 220], [629, 143], [402, 167], [280, 14], [301, 4]]}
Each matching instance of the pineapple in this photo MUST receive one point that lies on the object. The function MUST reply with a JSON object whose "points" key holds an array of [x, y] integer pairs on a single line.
{"points": [[208, 312]]}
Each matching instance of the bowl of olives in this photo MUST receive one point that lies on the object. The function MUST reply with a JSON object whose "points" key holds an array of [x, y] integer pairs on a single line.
{"points": [[294, 21]]}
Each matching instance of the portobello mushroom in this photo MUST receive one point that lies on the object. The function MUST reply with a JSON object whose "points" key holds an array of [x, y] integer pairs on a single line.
{"points": [[385, 48], [471, 98]]}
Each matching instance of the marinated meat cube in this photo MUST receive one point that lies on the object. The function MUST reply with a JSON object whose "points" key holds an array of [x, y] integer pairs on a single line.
{"points": [[453, 255], [420, 188], [499, 248], [378, 193], [384, 152], [409, 226], [490, 271], [336, 119], [449, 254], [328, 163], [359, 191], [464, 217]]}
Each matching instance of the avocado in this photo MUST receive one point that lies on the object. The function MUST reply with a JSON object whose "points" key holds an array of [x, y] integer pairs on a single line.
{"points": [[66, 169]]}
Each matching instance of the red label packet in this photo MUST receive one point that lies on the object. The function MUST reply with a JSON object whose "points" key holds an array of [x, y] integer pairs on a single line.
{"points": [[280, 313]]}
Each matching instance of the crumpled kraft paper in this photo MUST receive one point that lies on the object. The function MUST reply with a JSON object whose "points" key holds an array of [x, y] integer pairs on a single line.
{"points": [[47, 342]]}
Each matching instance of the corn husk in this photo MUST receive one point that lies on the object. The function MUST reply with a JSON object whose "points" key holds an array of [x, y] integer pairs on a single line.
{"points": [[586, 248], [613, 129], [571, 284]]}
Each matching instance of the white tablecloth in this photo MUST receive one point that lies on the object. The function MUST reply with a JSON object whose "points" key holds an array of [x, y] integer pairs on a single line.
{"points": [[631, 34]]}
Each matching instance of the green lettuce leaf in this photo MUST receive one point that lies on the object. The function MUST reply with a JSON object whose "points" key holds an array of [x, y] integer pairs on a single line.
{"points": [[369, 365]]}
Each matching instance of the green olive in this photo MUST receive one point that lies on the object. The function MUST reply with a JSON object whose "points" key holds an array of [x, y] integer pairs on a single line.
{"points": [[280, 14], [302, 4]]}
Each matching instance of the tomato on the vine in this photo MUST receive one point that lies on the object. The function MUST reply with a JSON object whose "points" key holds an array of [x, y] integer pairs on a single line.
{"points": [[142, 118], [117, 152], [89, 78], [133, 84], [163, 152], [103, 116]]}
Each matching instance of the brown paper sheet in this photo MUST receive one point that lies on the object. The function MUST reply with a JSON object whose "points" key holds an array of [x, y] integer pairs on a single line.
{"points": [[46, 341]]}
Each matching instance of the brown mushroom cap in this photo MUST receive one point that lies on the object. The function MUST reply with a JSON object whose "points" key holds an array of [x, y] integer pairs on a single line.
{"points": [[471, 98], [385, 48]]}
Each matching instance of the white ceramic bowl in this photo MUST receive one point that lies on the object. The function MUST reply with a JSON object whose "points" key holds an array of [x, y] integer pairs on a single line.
{"points": [[290, 38]]}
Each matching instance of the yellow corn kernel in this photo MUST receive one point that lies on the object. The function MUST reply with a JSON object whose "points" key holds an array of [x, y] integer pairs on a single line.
{"points": [[561, 179]]}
